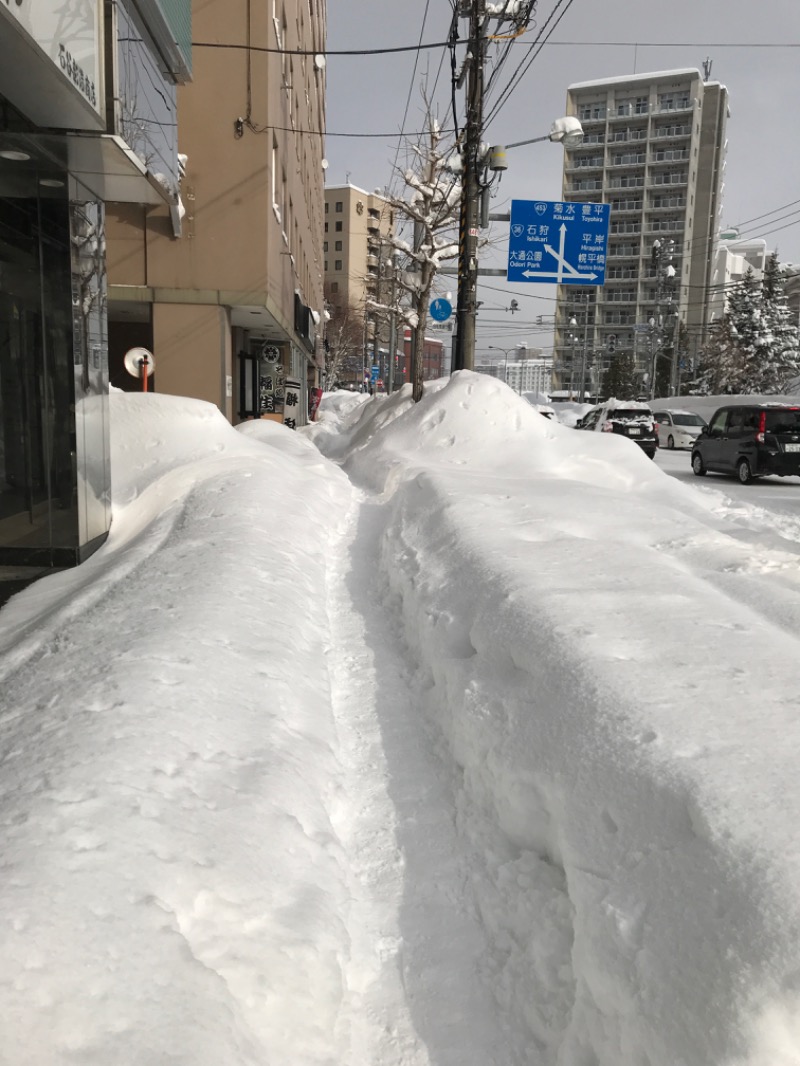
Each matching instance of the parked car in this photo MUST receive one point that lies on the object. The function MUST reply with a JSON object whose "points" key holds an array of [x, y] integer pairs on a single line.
{"points": [[678, 429], [628, 418], [750, 441]]}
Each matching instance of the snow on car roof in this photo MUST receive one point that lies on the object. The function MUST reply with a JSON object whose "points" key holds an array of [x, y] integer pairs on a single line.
{"points": [[625, 405]]}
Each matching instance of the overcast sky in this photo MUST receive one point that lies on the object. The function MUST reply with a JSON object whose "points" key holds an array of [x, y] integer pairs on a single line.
{"points": [[368, 94]]}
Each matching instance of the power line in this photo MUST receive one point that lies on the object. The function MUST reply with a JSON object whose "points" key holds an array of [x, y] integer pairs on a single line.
{"points": [[540, 41], [329, 133], [326, 52], [550, 44]]}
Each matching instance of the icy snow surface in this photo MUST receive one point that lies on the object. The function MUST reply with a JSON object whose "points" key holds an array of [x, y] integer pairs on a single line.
{"points": [[433, 735]]}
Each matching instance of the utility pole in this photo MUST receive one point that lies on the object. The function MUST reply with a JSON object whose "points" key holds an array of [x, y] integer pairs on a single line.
{"points": [[466, 306], [392, 325], [662, 262], [585, 352], [376, 339], [674, 377]]}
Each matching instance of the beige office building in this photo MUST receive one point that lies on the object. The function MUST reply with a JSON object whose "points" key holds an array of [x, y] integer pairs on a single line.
{"points": [[357, 225], [227, 289], [357, 259], [654, 149]]}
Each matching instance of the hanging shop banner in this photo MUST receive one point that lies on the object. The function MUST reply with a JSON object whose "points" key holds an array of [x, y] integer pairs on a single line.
{"points": [[271, 384], [69, 36], [291, 402]]}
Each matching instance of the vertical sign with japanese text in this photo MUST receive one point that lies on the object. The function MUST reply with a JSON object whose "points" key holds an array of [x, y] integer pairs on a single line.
{"points": [[291, 402]]}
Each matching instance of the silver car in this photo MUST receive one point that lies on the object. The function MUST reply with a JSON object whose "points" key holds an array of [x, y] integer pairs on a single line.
{"points": [[678, 429]]}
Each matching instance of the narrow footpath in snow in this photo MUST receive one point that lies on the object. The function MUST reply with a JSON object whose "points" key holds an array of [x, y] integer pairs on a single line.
{"points": [[414, 989]]}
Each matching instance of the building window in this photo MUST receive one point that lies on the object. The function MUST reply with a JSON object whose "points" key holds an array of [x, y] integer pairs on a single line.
{"points": [[326, 266], [326, 227], [325, 246], [337, 264], [338, 246], [334, 286], [327, 206], [338, 227], [338, 207], [592, 111], [673, 101]]}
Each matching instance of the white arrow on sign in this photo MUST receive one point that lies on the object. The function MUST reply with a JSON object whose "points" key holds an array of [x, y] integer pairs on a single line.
{"points": [[559, 255], [557, 274], [564, 268]]}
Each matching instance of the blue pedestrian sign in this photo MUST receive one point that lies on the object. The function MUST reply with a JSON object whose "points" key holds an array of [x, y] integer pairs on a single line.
{"points": [[374, 373], [441, 310], [559, 243]]}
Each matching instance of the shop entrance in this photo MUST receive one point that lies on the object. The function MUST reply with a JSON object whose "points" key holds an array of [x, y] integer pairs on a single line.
{"points": [[38, 498]]}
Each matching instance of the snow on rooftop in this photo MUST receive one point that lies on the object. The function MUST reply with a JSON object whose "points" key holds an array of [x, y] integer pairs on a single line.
{"points": [[624, 79], [355, 188]]}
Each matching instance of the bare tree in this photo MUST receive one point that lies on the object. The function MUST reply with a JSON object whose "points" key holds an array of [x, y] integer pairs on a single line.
{"points": [[343, 338], [430, 208]]}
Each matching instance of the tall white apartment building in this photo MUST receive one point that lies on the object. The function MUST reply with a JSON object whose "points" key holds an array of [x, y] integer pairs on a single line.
{"points": [[653, 148], [530, 375]]}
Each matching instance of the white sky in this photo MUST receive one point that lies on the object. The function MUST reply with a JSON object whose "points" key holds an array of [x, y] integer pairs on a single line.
{"points": [[476, 746], [368, 94]]}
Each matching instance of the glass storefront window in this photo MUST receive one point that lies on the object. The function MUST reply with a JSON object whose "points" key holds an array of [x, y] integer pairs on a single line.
{"points": [[46, 518]]}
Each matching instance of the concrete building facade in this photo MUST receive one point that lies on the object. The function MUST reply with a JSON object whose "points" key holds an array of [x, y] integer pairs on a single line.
{"points": [[87, 95], [522, 375], [733, 257], [357, 226], [227, 290], [654, 149], [357, 264]]}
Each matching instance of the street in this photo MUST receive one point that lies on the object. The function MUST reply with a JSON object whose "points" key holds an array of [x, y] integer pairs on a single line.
{"points": [[779, 495]]}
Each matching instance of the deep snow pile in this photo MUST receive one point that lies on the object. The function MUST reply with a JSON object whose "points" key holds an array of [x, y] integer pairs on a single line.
{"points": [[612, 665], [172, 890], [489, 761]]}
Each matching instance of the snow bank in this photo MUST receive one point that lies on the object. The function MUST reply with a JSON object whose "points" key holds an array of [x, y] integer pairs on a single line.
{"points": [[172, 888], [610, 667]]}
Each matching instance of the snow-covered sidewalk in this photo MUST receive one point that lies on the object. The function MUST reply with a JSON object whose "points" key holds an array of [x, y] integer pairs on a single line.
{"points": [[479, 751]]}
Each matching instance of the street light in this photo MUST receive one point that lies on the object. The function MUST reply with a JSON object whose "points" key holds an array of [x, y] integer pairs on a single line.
{"points": [[521, 347], [566, 131]]}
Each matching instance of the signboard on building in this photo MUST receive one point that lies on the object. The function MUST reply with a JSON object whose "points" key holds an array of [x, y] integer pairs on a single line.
{"points": [[291, 402], [53, 47], [555, 242]]}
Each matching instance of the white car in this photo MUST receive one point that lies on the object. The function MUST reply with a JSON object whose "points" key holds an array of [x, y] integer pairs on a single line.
{"points": [[678, 429], [628, 418]]}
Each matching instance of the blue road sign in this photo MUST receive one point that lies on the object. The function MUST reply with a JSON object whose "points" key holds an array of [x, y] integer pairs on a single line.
{"points": [[374, 371], [558, 243], [441, 310]]}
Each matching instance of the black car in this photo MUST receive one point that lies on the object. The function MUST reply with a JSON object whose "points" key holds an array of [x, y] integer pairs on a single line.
{"points": [[628, 418], [750, 440]]}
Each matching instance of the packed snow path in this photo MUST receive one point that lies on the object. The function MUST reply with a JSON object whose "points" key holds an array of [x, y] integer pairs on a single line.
{"points": [[412, 977]]}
